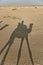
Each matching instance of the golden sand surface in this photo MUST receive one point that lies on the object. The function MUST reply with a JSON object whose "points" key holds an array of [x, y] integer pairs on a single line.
{"points": [[12, 15]]}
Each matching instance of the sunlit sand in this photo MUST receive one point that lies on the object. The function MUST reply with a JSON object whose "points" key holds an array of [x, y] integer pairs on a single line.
{"points": [[10, 16]]}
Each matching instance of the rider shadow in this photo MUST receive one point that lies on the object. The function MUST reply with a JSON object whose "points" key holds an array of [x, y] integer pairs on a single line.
{"points": [[20, 32], [4, 27]]}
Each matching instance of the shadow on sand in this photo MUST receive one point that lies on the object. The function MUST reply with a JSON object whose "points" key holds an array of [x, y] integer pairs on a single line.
{"points": [[1, 21], [20, 32], [4, 27]]}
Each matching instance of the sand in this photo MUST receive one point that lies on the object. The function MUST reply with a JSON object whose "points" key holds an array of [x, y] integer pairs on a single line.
{"points": [[12, 15]]}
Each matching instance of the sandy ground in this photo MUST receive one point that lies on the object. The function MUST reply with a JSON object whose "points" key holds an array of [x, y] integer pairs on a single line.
{"points": [[12, 15]]}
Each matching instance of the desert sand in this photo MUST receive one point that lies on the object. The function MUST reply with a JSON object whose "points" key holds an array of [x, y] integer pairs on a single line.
{"points": [[11, 16]]}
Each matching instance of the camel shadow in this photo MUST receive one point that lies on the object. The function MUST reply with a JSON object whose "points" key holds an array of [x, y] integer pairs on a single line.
{"points": [[20, 32]]}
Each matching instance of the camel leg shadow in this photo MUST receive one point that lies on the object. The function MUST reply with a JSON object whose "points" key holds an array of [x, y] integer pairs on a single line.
{"points": [[4, 48], [9, 42], [3, 60], [29, 50], [19, 53], [12, 38]]}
